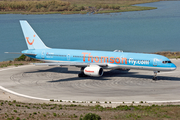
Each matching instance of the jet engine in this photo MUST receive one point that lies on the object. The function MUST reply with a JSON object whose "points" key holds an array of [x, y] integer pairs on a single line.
{"points": [[93, 70]]}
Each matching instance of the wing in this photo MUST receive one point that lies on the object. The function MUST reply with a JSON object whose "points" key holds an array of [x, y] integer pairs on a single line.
{"points": [[77, 64]]}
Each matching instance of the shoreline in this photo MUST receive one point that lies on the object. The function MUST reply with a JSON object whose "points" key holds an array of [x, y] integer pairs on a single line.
{"points": [[72, 7], [134, 8]]}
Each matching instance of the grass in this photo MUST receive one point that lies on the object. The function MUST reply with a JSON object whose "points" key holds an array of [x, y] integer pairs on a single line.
{"points": [[70, 6], [9, 110]]}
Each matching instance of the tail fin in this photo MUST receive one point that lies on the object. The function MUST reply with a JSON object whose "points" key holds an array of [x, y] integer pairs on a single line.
{"points": [[32, 39]]}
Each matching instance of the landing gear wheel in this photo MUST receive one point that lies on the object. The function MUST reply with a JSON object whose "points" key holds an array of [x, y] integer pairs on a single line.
{"points": [[155, 75], [154, 78], [82, 75]]}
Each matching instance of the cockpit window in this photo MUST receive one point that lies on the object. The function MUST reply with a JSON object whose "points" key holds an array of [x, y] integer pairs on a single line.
{"points": [[166, 62]]}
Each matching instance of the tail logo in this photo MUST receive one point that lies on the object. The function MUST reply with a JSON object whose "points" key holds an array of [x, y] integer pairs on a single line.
{"points": [[30, 43]]}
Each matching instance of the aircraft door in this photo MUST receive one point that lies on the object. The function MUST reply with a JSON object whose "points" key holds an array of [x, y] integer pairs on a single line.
{"points": [[43, 54], [155, 61], [68, 57]]}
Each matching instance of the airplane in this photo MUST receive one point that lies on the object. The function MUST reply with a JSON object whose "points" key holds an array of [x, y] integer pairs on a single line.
{"points": [[91, 62]]}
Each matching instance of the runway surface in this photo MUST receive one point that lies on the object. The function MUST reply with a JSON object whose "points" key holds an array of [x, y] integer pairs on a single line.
{"points": [[63, 83]]}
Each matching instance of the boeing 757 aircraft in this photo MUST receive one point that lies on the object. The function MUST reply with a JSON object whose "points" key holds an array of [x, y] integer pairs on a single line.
{"points": [[91, 62]]}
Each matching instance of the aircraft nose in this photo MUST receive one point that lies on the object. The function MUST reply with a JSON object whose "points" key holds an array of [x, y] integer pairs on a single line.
{"points": [[173, 66]]}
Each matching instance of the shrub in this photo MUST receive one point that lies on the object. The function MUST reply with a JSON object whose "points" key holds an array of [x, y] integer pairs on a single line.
{"points": [[35, 113], [59, 8], [21, 58], [54, 114], [10, 104], [124, 107], [39, 6], [105, 6], [43, 9], [98, 107], [98, 6], [17, 118], [91, 116], [15, 111], [75, 116], [18, 105], [82, 8], [72, 105], [33, 9], [65, 8], [70, 8]]}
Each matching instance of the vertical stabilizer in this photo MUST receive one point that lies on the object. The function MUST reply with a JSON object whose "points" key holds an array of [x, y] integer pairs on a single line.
{"points": [[32, 39]]}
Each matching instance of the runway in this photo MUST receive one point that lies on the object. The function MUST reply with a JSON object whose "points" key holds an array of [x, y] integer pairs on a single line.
{"points": [[63, 83]]}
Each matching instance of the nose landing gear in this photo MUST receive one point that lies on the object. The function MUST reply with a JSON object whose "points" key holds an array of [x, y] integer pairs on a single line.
{"points": [[155, 75]]}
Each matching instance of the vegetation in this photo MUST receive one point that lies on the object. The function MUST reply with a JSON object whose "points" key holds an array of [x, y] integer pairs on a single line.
{"points": [[17, 110], [22, 60], [169, 54], [70, 6], [91, 116]]}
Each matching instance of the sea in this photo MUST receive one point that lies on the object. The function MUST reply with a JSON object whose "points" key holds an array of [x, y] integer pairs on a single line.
{"points": [[138, 31]]}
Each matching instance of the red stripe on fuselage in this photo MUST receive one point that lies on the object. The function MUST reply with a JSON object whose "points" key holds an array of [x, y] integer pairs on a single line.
{"points": [[89, 71]]}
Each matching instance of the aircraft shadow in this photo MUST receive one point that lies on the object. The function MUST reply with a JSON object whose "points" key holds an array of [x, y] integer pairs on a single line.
{"points": [[104, 77], [116, 73], [111, 73], [56, 70]]}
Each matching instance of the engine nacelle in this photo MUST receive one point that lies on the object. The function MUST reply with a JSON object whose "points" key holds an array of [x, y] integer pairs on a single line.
{"points": [[93, 70]]}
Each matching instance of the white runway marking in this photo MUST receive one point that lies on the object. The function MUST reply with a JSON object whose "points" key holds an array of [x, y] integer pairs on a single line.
{"points": [[26, 96], [15, 93], [14, 67]]}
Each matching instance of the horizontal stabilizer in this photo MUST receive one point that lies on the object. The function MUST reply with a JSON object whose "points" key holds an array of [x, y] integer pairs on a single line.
{"points": [[21, 53], [13, 52]]}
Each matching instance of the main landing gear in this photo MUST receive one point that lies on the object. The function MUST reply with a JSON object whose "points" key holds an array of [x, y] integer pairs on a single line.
{"points": [[155, 75], [81, 74]]}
